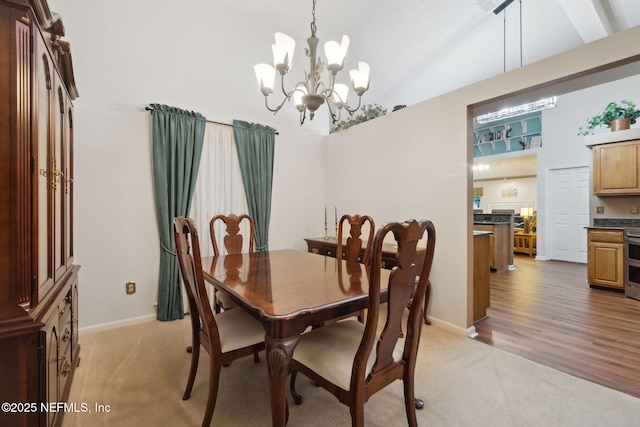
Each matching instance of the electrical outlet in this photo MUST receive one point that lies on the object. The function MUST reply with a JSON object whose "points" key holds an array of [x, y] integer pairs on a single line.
{"points": [[634, 209], [599, 209], [131, 288]]}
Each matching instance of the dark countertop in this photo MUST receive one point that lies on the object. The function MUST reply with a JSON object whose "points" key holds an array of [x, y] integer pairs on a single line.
{"points": [[615, 223], [491, 222], [492, 218]]}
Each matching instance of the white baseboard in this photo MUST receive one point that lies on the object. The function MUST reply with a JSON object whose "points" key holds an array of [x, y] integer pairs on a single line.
{"points": [[117, 324], [469, 332], [449, 326]]}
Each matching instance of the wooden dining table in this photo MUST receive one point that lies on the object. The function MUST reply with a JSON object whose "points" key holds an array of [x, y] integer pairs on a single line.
{"points": [[289, 291]]}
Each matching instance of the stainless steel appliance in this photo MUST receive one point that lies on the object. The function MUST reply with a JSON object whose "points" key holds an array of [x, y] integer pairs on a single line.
{"points": [[632, 262]]}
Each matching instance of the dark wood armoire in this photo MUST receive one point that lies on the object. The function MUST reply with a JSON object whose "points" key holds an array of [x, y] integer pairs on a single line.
{"points": [[38, 278]]}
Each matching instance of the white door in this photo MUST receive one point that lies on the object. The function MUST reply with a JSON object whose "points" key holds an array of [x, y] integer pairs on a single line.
{"points": [[568, 214]]}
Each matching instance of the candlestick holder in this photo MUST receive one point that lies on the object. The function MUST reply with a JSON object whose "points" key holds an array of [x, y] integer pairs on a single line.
{"points": [[336, 236], [326, 235]]}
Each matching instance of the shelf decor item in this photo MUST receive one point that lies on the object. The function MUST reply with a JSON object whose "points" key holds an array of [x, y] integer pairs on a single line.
{"points": [[508, 135], [615, 116]]}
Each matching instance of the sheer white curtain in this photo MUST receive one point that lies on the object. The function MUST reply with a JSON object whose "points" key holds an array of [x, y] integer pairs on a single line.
{"points": [[219, 188]]}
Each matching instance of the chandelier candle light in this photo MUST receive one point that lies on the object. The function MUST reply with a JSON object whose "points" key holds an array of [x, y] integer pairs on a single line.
{"points": [[310, 94]]}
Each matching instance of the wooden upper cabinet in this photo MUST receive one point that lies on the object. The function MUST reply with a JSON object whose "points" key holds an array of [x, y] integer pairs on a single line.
{"points": [[616, 169]]}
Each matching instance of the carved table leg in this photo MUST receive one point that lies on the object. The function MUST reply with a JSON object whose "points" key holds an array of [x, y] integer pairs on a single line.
{"points": [[278, 353]]}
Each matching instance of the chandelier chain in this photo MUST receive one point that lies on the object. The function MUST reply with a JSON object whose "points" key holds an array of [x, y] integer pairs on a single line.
{"points": [[313, 23]]}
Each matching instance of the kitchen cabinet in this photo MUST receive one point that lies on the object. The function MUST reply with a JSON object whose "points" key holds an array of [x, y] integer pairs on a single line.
{"points": [[616, 169], [605, 258], [481, 274], [500, 244]]}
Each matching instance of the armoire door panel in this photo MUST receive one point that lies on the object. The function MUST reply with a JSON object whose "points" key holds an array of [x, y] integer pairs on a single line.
{"points": [[22, 184], [45, 170], [58, 192], [68, 187]]}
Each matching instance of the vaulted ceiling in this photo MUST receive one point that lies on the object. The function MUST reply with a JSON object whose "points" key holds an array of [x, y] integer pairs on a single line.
{"points": [[419, 49]]}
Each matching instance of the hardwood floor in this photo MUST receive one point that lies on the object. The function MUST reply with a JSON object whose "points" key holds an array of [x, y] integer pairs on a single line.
{"points": [[546, 312]]}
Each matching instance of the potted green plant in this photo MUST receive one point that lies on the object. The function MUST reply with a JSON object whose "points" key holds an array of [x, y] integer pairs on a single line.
{"points": [[615, 116]]}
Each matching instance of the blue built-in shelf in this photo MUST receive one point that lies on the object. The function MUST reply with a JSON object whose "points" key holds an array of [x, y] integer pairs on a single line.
{"points": [[508, 135]]}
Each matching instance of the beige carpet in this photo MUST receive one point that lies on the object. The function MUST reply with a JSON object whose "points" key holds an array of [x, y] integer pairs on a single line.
{"points": [[140, 371]]}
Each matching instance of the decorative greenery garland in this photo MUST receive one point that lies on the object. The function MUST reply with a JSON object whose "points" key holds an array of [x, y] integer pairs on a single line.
{"points": [[368, 112]]}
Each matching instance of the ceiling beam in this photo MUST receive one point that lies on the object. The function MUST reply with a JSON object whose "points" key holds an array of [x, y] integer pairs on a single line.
{"points": [[592, 19], [607, 11], [503, 6]]}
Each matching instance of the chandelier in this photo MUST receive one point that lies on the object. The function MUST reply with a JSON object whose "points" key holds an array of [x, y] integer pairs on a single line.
{"points": [[312, 92]]}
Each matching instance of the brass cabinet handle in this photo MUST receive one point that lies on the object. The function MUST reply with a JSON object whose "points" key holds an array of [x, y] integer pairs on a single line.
{"points": [[58, 175], [65, 369], [67, 182]]}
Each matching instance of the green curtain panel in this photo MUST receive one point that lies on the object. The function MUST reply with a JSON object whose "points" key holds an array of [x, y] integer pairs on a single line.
{"points": [[178, 136], [255, 145]]}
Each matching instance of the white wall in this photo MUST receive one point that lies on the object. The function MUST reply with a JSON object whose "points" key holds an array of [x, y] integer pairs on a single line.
{"points": [[193, 55], [415, 167], [494, 197]]}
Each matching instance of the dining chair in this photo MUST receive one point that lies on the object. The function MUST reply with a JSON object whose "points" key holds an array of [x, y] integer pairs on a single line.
{"points": [[233, 243], [351, 251], [226, 336], [353, 360]]}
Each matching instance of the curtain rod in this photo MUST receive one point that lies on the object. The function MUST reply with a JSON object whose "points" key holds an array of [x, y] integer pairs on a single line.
{"points": [[208, 121]]}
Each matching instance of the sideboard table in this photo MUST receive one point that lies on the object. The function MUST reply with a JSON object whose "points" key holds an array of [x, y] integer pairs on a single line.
{"points": [[328, 247]]}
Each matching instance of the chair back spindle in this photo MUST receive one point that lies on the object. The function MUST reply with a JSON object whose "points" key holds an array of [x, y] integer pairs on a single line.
{"points": [[233, 241], [354, 241], [233, 244]]}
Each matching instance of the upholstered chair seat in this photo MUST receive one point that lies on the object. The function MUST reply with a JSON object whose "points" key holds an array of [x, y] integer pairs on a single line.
{"points": [[223, 301], [330, 351], [237, 329]]}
